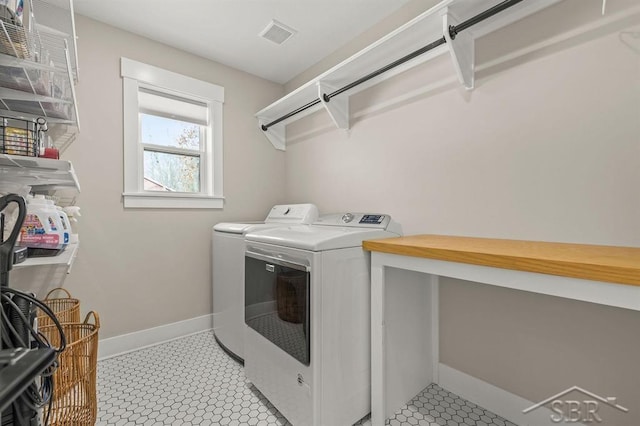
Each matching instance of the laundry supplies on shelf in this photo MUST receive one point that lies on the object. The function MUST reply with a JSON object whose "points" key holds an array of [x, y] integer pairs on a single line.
{"points": [[43, 229]]}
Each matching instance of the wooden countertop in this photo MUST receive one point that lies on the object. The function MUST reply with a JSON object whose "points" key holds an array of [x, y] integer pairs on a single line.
{"points": [[592, 262]]}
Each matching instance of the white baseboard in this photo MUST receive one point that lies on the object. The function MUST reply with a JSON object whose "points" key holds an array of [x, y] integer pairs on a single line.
{"points": [[495, 399], [119, 345]]}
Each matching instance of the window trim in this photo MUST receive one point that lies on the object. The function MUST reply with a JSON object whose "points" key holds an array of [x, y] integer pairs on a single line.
{"points": [[135, 75]]}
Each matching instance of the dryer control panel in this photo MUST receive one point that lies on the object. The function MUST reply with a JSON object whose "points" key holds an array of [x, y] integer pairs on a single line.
{"points": [[356, 220], [376, 219]]}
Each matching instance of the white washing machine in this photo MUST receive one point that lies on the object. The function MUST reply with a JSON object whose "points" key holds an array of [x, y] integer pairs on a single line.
{"points": [[228, 271], [307, 315]]}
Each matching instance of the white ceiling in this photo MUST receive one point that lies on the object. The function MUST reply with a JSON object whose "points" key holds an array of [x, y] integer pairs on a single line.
{"points": [[227, 31]]}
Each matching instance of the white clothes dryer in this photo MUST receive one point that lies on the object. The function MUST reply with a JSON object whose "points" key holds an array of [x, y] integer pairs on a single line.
{"points": [[307, 311], [228, 271]]}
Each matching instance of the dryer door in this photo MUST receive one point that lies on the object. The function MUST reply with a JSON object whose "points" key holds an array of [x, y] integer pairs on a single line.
{"points": [[277, 302]]}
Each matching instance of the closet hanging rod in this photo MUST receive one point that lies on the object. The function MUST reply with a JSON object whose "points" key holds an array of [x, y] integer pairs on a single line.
{"points": [[454, 30]]}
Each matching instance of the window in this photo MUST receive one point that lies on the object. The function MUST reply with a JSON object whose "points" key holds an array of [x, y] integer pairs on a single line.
{"points": [[172, 139]]}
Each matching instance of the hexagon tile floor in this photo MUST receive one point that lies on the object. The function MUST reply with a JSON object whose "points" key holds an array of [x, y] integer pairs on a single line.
{"points": [[192, 381]]}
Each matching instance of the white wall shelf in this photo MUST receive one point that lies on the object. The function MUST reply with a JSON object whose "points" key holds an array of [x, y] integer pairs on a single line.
{"points": [[417, 33], [65, 258], [42, 174]]}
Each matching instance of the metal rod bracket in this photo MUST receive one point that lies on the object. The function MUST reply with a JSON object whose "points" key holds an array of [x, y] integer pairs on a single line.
{"points": [[462, 50], [338, 108]]}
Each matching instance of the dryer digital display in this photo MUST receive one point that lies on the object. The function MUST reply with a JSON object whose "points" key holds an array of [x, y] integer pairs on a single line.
{"points": [[374, 219]]}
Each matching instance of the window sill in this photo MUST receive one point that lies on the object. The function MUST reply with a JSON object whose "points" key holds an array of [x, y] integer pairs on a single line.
{"points": [[171, 201]]}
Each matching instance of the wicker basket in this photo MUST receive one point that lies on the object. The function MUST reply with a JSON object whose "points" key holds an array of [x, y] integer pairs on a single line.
{"points": [[74, 381], [66, 309]]}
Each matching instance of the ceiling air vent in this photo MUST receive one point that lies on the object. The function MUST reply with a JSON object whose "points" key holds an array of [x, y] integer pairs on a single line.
{"points": [[277, 32]]}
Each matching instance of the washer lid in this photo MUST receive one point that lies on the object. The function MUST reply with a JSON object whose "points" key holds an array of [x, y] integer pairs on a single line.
{"points": [[317, 238], [235, 228]]}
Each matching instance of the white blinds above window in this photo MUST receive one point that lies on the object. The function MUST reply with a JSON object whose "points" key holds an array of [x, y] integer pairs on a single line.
{"points": [[174, 107]]}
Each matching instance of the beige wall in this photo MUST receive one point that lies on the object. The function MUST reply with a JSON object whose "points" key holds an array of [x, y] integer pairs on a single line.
{"points": [[141, 268], [547, 147]]}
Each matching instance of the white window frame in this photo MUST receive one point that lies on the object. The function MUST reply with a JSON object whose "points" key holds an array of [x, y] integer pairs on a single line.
{"points": [[136, 75]]}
